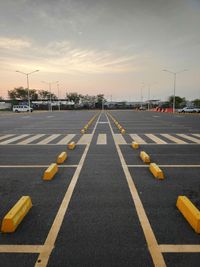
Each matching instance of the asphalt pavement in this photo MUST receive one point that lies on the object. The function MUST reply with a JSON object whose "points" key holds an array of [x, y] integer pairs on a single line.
{"points": [[103, 207]]}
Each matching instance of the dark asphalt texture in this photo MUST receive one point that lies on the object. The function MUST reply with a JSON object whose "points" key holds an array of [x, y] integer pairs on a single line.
{"points": [[101, 226]]}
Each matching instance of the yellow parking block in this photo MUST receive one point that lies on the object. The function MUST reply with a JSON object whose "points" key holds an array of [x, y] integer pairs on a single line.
{"points": [[14, 217], [156, 171], [145, 157], [61, 158], [82, 131], [123, 131], [85, 127], [71, 145], [135, 145], [120, 127], [50, 172], [190, 212]]}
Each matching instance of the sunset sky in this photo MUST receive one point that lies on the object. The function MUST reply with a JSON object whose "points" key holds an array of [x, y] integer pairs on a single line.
{"points": [[115, 47]]}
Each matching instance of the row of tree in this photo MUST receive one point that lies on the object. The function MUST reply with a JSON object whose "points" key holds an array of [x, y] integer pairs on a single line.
{"points": [[180, 102], [21, 94]]}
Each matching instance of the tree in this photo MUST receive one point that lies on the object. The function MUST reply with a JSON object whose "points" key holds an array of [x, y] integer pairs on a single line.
{"points": [[196, 102], [99, 100], [45, 95], [74, 97], [179, 101], [21, 93]]}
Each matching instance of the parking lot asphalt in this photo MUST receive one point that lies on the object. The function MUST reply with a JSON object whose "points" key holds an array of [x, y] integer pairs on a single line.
{"points": [[103, 207]]}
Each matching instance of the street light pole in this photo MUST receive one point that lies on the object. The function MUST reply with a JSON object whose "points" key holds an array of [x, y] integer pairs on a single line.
{"points": [[174, 96], [58, 94], [27, 80], [50, 83]]}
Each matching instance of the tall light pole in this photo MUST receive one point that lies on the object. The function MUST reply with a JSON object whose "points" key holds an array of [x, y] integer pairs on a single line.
{"points": [[58, 87], [174, 94], [27, 80], [50, 83]]}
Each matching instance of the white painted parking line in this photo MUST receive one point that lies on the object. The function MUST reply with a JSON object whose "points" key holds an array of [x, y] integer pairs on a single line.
{"points": [[165, 166], [85, 139], [102, 139], [119, 139], [14, 139], [137, 139], [156, 139], [180, 248], [66, 139], [193, 139], [48, 139], [30, 139], [6, 136], [174, 139]]}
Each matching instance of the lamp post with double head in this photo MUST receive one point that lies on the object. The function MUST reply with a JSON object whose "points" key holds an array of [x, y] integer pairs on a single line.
{"points": [[174, 93], [50, 96], [27, 80]]}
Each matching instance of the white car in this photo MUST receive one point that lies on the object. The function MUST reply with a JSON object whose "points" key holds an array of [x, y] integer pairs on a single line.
{"points": [[189, 110], [22, 108]]}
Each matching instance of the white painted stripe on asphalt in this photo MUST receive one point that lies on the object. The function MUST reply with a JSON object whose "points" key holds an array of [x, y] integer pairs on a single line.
{"points": [[66, 139], [193, 139], [85, 139], [197, 135], [156, 139], [174, 139], [102, 139], [48, 139], [14, 139], [180, 248], [119, 139], [6, 136], [137, 139], [30, 139], [165, 166]]}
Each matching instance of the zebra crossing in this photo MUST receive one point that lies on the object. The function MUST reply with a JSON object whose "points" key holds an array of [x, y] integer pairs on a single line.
{"points": [[101, 139]]}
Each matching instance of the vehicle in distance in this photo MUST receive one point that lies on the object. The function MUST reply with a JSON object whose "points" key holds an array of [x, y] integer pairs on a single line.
{"points": [[189, 110], [22, 108]]}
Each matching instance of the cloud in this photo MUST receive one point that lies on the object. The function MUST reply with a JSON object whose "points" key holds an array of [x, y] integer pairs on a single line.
{"points": [[13, 44]]}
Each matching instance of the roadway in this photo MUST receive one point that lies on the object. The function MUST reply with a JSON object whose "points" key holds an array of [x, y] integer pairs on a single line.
{"points": [[104, 207]]}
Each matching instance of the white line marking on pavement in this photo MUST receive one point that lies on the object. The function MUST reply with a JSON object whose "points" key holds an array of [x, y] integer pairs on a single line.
{"points": [[36, 166], [174, 139], [85, 139], [197, 135], [102, 139], [66, 139], [6, 136], [137, 139], [156, 139], [180, 248], [193, 139], [14, 139], [48, 139], [165, 166], [31, 139], [119, 139]]}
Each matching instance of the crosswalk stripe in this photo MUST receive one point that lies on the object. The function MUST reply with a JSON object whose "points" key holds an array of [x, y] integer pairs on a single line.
{"points": [[66, 139], [137, 139], [102, 139], [174, 139], [48, 139], [30, 139], [197, 135], [119, 139], [6, 136], [14, 139], [85, 139], [156, 139], [193, 139]]}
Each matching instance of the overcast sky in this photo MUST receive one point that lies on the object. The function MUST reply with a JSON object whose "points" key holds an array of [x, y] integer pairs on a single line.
{"points": [[115, 47]]}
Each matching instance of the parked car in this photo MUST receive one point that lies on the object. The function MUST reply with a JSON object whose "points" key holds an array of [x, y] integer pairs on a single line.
{"points": [[22, 108], [189, 110]]}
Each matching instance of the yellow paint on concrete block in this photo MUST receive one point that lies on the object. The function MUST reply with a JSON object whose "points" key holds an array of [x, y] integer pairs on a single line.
{"points": [[50, 172], [61, 158], [85, 127], [71, 145], [145, 157], [119, 127], [190, 212], [135, 145], [82, 131], [14, 217], [156, 171], [123, 131]]}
